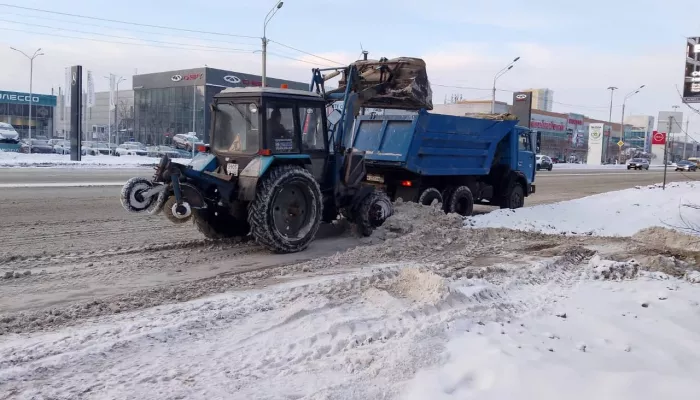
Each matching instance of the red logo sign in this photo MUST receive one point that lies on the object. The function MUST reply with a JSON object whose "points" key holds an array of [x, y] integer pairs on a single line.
{"points": [[547, 125], [573, 121], [658, 138]]}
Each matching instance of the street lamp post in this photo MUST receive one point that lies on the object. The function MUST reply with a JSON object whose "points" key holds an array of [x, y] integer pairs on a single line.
{"points": [[31, 94], [622, 121], [116, 107], [498, 75], [268, 17]]}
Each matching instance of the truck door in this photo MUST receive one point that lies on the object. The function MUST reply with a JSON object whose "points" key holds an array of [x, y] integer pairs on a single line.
{"points": [[526, 155]]}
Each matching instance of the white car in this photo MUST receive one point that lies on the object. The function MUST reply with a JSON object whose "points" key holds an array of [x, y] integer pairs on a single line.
{"points": [[131, 149], [185, 141], [8, 132], [61, 146], [91, 148]]}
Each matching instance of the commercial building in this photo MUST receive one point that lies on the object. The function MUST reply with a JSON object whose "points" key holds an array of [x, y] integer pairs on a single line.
{"points": [[14, 110], [168, 103], [641, 128], [542, 99], [96, 120]]}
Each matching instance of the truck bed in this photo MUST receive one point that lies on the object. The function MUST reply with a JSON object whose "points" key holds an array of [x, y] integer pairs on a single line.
{"points": [[431, 144]]}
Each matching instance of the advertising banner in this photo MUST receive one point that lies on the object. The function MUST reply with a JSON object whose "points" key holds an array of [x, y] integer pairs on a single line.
{"points": [[658, 138], [691, 80], [90, 90], [658, 143], [595, 143]]}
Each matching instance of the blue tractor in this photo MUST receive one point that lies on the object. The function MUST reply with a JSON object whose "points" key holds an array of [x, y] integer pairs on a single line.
{"points": [[281, 161]]}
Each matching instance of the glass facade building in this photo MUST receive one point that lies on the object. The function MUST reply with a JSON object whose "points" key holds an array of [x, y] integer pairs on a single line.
{"points": [[14, 110], [169, 103]]}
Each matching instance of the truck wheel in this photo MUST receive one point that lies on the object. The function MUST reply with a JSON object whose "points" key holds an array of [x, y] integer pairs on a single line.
{"points": [[373, 210], [131, 197], [286, 212], [429, 195], [218, 224], [462, 201], [447, 198], [514, 196]]}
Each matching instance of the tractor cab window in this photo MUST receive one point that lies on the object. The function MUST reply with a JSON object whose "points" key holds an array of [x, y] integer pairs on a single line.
{"points": [[236, 128], [312, 135], [279, 128]]}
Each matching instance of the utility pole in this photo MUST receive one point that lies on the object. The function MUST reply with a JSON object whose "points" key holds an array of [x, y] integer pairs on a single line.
{"points": [[685, 143], [612, 90], [31, 93], [268, 17], [116, 107], [498, 75], [670, 122]]}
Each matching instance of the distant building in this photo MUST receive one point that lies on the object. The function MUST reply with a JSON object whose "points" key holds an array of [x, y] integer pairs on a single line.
{"points": [[542, 99], [470, 107], [639, 134]]}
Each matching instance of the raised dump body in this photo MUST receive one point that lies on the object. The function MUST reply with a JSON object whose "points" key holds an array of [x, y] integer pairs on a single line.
{"points": [[425, 156]]}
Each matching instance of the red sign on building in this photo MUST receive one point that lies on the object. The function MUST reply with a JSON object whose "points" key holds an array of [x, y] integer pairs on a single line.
{"points": [[658, 137]]}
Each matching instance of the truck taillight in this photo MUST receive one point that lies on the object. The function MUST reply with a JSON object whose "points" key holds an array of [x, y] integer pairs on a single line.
{"points": [[203, 148], [406, 183]]}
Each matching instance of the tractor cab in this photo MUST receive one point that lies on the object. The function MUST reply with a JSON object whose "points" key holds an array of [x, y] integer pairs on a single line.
{"points": [[255, 121]]}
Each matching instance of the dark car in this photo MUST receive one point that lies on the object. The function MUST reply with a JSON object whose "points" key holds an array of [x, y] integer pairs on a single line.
{"points": [[638, 163], [686, 165], [38, 146]]}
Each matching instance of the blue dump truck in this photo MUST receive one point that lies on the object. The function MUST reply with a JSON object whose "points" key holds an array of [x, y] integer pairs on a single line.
{"points": [[458, 161]]}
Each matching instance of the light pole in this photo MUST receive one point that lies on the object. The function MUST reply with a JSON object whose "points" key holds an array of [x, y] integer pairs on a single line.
{"points": [[622, 121], [116, 106], [268, 17], [612, 90], [31, 94], [498, 75]]}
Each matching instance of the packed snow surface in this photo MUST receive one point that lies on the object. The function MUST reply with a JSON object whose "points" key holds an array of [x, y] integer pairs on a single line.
{"points": [[8, 159], [555, 329], [620, 213]]}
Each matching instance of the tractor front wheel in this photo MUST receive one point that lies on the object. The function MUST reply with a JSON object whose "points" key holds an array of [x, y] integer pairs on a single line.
{"points": [[286, 212]]}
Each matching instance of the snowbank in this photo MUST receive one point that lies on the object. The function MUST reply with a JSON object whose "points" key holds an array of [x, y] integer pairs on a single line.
{"points": [[603, 345], [619, 213], [10, 160]]}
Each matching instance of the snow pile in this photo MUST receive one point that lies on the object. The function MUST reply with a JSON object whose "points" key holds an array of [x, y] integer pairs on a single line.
{"points": [[620, 213], [609, 346], [612, 270], [8, 159]]}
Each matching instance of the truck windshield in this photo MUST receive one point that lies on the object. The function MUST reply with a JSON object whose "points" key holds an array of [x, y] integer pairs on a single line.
{"points": [[236, 128]]}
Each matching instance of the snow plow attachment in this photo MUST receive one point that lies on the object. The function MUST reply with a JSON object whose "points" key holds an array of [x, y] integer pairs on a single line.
{"points": [[401, 83]]}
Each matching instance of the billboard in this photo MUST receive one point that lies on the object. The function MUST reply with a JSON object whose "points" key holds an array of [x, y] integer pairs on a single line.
{"points": [[665, 116], [691, 79], [595, 143]]}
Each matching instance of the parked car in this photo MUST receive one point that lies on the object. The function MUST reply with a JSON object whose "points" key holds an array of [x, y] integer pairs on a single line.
{"points": [[91, 148], [160, 151], [185, 141], [686, 165], [544, 162], [555, 160], [638, 163], [131, 149], [61, 146], [104, 148], [38, 146]]}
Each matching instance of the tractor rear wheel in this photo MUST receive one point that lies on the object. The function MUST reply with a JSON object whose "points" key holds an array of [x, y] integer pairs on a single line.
{"points": [[219, 224], [372, 211], [286, 212]]}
